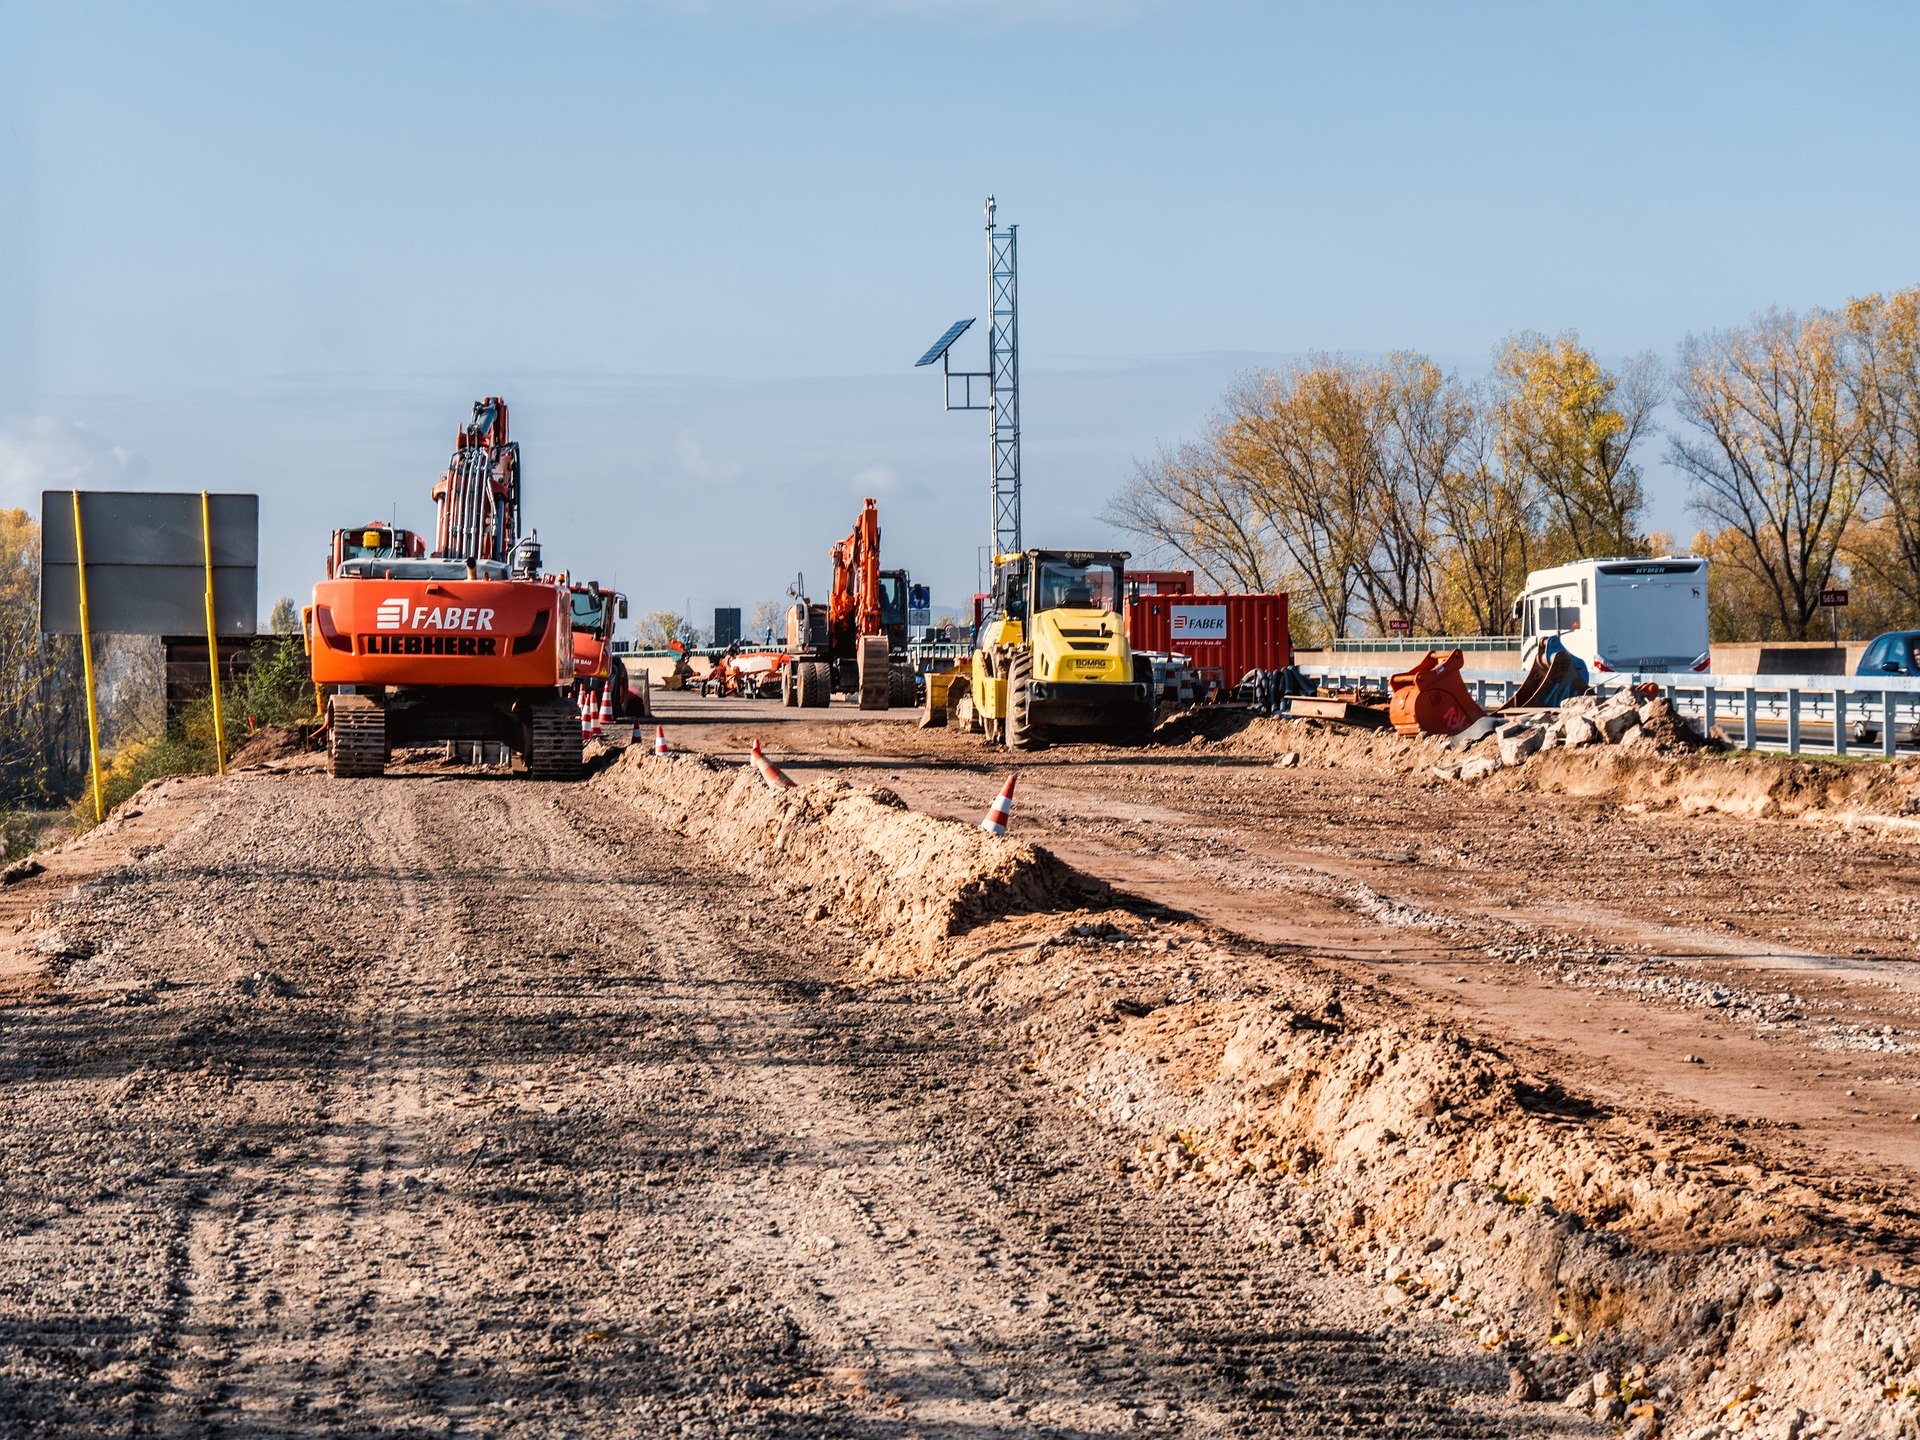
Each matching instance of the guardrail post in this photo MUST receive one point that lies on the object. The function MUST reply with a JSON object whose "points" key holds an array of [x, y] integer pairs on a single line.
{"points": [[1887, 714], [1707, 696], [1839, 721], [1793, 722], [1752, 700]]}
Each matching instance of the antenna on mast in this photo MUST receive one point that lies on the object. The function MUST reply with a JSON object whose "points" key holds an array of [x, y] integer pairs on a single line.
{"points": [[1000, 380]]}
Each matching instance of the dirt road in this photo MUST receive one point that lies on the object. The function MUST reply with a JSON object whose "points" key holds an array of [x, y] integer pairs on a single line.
{"points": [[449, 1105]]}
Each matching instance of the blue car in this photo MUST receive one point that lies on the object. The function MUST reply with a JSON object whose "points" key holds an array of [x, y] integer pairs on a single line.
{"points": [[1895, 653]]}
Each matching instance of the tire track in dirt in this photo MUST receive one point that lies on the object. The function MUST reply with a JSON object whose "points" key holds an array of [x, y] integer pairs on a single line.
{"points": [[475, 1107]]}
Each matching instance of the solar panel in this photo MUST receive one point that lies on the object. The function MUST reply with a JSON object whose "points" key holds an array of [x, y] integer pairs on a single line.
{"points": [[945, 342]]}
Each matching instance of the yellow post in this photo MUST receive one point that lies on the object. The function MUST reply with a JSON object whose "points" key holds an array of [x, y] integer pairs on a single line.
{"points": [[86, 663], [213, 638]]}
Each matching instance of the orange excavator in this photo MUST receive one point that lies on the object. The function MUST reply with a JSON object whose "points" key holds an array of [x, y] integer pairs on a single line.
{"points": [[857, 642], [469, 642]]}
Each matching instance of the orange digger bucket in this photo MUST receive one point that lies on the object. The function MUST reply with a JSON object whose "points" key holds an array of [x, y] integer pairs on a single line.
{"points": [[1432, 699]]}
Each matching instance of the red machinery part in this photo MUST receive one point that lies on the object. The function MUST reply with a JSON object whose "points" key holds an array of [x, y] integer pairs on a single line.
{"points": [[513, 634], [1432, 699], [1225, 635]]}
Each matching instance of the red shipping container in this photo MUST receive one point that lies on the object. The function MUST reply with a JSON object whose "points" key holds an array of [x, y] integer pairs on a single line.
{"points": [[1226, 635]]}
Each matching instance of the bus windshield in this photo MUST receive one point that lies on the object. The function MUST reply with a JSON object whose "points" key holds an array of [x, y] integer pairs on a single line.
{"points": [[1061, 586]]}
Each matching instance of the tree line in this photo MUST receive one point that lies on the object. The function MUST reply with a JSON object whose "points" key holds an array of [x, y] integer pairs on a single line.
{"points": [[1375, 491]]}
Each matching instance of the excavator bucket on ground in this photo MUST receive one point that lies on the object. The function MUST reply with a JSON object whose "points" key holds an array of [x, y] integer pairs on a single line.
{"points": [[1555, 677], [1431, 698]]}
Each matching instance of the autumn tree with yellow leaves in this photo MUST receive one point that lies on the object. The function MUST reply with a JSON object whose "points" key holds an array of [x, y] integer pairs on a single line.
{"points": [[1392, 490]]}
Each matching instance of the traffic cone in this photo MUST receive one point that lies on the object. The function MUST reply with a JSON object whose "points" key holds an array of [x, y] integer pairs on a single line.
{"points": [[586, 717], [660, 741], [605, 717], [1000, 814], [776, 778]]}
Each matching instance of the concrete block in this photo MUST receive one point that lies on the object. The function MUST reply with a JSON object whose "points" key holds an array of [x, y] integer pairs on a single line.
{"points": [[1580, 730], [1516, 748], [1479, 767], [1615, 720]]}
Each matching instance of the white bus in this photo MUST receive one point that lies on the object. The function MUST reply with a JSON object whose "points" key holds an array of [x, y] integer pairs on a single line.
{"points": [[1620, 614]]}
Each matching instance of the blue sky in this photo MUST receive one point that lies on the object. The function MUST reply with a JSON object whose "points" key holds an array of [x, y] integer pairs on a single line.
{"points": [[698, 246]]}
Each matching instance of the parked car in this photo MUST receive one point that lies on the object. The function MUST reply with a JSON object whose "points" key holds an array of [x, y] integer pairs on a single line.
{"points": [[1895, 653]]}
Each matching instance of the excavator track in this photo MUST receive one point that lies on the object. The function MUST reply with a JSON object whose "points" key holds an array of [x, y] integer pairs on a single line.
{"points": [[553, 742], [356, 737]]}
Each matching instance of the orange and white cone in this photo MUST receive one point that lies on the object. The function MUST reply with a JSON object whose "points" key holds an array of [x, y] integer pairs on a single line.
{"points": [[586, 716], [605, 718], [776, 778], [1000, 813], [660, 741]]}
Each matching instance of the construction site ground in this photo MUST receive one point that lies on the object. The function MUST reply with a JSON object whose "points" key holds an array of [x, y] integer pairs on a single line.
{"points": [[1761, 972], [455, 1104]]}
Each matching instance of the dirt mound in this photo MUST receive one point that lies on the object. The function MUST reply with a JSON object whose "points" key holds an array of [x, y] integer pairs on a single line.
{"points": [[1572, 1237], [1687, 775], [908, 881], [271, 742]]}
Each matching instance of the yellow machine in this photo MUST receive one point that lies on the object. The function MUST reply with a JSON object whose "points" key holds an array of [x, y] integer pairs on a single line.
{"points": [[1051, 657]]}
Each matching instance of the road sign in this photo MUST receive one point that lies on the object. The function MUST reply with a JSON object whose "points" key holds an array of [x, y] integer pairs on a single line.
{"points": [[147, 562], [1399, 626], [1833, 599]]}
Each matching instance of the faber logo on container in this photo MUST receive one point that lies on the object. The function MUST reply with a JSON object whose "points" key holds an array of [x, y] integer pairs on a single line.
{"points": [[392, 614], [1199, 622]]}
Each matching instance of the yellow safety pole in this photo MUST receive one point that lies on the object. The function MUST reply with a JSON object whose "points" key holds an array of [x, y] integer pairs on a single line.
{"points": [[86, 663], [213, 639]]}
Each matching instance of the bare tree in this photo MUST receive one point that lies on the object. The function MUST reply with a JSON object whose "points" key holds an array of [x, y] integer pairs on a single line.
{"points": [[1775, 453], [1186, 507]]}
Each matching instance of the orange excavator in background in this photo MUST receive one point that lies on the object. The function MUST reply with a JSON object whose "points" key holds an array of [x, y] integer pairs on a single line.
{"points": [[856, 642], [469, 642]]}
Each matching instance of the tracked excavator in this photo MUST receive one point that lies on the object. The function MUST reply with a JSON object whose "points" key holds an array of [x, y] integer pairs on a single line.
{"points": [[857, 642], [468, 641]]}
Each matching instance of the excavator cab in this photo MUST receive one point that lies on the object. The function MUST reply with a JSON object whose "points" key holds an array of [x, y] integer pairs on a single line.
{"points": [[373, 542]]}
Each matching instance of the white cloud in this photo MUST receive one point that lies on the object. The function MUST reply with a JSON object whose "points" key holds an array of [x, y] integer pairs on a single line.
{"points": [[695, 461], [875, 480], [49, 454]]}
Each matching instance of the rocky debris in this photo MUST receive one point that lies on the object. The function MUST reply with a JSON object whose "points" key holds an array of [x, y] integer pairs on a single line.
{"points": [[21, 870], [1619, 720]]}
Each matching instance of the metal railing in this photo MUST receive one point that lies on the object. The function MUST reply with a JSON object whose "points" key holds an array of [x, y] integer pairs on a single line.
{"points": [[1374, 644], [1880, 707]]}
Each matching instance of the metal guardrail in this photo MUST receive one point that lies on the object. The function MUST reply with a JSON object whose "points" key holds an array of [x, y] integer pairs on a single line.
{"points": [[1372, 644], [1739, 703]]}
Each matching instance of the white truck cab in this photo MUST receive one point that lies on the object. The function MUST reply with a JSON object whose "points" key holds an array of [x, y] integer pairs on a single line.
{"points": [[1620, 614]]}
